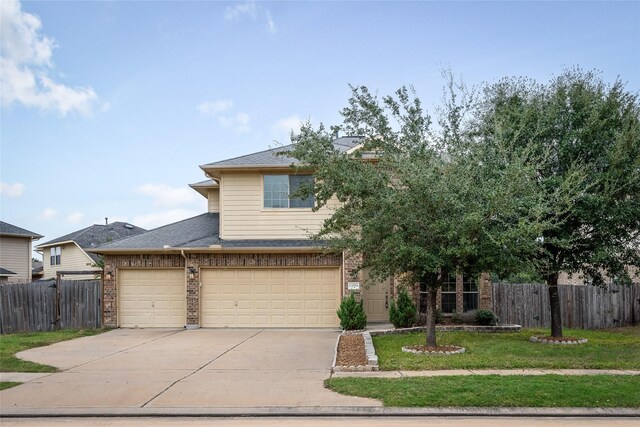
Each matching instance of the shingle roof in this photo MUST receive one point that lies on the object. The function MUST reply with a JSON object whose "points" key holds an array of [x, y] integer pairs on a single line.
{"points": [[200, 231], [178, 234], [270, 157], [5, 272], [10, 229], [98, 234]]}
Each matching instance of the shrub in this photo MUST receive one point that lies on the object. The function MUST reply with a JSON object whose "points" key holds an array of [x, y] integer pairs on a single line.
{"points": [[351, 314], [486, 317], [402, 312]]}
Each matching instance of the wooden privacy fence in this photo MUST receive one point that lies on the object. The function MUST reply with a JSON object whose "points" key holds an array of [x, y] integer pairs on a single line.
{"points": [[583, 306], [31, 307]]}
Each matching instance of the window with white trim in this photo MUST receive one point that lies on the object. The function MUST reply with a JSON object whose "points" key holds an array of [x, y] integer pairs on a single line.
{"points": [[279, 188], [469, 293], [448, 295], [55, 255]]}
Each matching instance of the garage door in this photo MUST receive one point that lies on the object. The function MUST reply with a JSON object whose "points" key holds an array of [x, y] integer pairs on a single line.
{"points": [[151, 298], [270, 297]]}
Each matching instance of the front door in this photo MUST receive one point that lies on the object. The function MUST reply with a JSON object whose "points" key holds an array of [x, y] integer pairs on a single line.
{"points": [[376, 301]]}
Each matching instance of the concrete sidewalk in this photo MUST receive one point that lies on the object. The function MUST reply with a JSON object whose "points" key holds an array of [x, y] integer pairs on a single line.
{"points": [[466, 372]]}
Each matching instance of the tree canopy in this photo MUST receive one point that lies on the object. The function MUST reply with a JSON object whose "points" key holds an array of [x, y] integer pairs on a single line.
{"points": [[585, 134], [416, 202]]}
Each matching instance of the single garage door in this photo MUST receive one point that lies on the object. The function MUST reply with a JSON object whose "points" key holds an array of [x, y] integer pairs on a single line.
{"points": [[151, 298], [291, 297]]}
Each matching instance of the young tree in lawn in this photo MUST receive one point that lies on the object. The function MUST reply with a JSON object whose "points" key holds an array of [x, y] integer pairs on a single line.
{"points": [[416, 203], [586, 137]]}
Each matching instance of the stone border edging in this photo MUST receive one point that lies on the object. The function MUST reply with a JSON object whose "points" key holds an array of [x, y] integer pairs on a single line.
{"points": [[409, 349], [372, 358], [558, 342]]}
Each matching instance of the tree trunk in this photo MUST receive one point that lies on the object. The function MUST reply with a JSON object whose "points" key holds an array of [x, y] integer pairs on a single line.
{"points": [[432, 293], [554, 302]]}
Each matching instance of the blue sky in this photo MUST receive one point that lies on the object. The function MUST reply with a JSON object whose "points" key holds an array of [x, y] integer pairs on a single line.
{"points": [[108, 108]]}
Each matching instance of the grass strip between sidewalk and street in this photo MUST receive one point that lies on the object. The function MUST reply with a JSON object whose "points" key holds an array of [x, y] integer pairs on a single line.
{"points": [[496, 391], [10, 344], [606, 349]]}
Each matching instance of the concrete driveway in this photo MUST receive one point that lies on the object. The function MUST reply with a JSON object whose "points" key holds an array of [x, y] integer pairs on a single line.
{"points": [[204, 368]]}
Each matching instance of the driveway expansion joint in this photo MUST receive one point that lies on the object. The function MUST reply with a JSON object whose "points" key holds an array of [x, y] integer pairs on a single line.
{"points": [[201, 367]]}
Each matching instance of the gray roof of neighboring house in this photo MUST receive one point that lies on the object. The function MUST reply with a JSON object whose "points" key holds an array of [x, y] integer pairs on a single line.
{"points": [[36, 266], [200, 231], [10, 229], [98, 234], [270, 157], [5, 272]]}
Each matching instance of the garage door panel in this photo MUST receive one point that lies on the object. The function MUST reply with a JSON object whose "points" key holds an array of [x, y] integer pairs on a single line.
{"points": [[151, 298], [297, 297]]}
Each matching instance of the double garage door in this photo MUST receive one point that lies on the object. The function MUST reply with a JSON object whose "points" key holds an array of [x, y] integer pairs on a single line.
{"points": [[269, 297]]}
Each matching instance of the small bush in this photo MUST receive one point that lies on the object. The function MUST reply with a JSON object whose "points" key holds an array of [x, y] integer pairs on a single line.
{"points": [[402, 312], [439, 317], [351, 314], [486, 318]]}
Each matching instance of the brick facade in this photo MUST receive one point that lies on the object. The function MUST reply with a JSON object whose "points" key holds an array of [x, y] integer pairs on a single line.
{"points": [[192, 265]]}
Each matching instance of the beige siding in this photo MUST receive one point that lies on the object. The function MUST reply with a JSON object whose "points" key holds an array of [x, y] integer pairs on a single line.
{"points": [[213, 196], [15, 255], [244, 217], [72, 258]]}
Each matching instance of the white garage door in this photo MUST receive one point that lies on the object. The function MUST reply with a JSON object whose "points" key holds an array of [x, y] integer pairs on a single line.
{"points": [[151, 298], [299, 297]]}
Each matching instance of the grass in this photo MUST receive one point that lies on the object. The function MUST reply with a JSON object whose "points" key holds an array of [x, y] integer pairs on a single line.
{"points": [[13, 343], [606, 349], [7, 384], [496, 391]]}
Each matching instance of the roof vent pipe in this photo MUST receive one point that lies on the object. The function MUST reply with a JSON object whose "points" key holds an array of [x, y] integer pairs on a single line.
{"points": [[106, 221]]}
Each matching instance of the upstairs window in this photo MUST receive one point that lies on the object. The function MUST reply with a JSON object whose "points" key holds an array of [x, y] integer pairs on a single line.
{"points": [[55, 255], [279, 188]]}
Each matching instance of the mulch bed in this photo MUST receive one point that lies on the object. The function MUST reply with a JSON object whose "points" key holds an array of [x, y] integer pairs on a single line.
{"points": [[351, 351]]}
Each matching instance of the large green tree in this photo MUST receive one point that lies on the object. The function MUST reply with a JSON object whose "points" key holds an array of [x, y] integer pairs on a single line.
{"points": [[420, 203], [585, 135]]}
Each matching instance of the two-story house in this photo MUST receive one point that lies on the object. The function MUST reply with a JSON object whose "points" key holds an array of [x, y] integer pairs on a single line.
{"points": [[15, 253], [70, 252], [247, 262]]}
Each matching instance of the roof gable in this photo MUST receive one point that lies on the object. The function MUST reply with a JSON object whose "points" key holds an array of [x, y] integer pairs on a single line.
{"points": [[13, 230], [270, 158], [97, 234]]}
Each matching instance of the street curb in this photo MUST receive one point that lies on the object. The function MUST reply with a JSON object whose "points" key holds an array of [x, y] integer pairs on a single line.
{"points": [[347, 411]]}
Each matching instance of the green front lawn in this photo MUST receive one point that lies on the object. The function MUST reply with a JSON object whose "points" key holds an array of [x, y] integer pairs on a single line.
{"points": [[496, 391], [13, 343], [606, 349]]}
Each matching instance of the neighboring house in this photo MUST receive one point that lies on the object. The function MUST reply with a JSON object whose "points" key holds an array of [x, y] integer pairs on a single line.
{"points": [[69, 252], [15, 253], [37, 270], [247, 262], [580, 279]]}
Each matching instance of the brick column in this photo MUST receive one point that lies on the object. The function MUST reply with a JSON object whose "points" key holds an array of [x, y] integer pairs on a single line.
{"points": [[459, 293], [485, 292], [349, 264], [193, 292], [109, 297]]}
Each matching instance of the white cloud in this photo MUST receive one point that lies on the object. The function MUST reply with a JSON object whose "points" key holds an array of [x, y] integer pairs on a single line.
{"points": [[237, 11], [25, 65], [11, 190], [271, 26], [288, 124], [210, 108], [158, 219], [222, 110], [75, 217], [167, 196], [251, 11], [48, 213]]}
